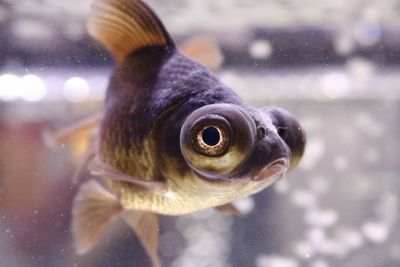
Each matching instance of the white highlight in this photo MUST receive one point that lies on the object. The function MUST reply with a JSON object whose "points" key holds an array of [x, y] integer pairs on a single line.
{"points": [[245, 205], [304, 249], [375, 232], [276, 261], [169, 195], [76, 90], [321, 218], [10, 87], [304, 199], [335, 85], [260, 49], [33, 88], [349, 238], [282, 187]]}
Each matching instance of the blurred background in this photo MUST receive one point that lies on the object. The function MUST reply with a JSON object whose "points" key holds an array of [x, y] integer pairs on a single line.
{"points": [[333, 64]]}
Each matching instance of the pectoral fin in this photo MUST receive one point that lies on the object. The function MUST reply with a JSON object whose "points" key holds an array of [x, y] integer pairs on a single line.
{"points": [[54, 139], [82, 135], [205, 50], [93, 212], [100, 168], [229, 208], [145, 226]]}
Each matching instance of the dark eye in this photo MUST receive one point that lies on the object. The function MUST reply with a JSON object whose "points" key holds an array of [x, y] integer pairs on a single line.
{"points": [[216, 140], [210, 137]]}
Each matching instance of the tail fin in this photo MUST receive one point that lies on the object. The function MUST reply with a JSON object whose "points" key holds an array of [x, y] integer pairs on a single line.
{"points": [[93, 213]]}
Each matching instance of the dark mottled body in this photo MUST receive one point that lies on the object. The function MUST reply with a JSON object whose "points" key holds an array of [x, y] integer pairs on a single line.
{"points": [[145, 95], [149, 98]]}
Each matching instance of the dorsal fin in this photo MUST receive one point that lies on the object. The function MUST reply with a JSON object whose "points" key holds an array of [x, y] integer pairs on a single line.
{"points": [[125, 26]]}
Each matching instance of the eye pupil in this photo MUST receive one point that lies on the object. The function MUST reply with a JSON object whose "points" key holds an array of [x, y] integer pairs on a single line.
{"points": [[211, 136]]}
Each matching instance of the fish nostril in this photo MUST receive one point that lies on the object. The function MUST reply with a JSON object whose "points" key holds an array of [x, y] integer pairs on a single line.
{"points": [[261, 132]]}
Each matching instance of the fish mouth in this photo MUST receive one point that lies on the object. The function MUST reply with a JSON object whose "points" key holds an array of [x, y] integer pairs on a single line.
{"points": [[274, 171]]}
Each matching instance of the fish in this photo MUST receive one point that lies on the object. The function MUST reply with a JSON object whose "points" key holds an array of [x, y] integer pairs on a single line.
{"points": [[171, 139]]}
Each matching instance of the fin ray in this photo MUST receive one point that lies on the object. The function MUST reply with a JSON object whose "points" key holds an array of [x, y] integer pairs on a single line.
{"points": [[93, 211], [147, 18], [146, 227], [124, 26], [54, 139], [103, 169]]}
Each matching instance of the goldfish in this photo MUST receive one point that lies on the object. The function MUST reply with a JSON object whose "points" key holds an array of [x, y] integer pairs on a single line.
{"points": [[171, 139]]}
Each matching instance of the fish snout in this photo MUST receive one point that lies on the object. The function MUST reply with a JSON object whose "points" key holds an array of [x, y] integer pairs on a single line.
{"points": [[289, 131], [272, 156]]}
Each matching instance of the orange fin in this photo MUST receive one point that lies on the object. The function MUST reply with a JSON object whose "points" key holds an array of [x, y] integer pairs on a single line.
{"points": [[103, 169], [229, 208], [66, 134], [145, 226], [93, 212], [205, 50], [125, 26]]}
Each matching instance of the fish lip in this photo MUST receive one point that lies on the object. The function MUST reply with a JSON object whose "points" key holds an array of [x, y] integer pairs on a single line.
{"points": [[274, 171]]}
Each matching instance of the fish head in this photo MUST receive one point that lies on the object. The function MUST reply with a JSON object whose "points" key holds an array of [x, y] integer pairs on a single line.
{"points": [[230, 144]]}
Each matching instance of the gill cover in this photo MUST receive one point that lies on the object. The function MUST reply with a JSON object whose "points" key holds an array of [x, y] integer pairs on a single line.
{"points": [[216, 140]]}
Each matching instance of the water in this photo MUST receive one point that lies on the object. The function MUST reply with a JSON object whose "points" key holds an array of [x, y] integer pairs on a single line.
{"points": [[340, 207]]}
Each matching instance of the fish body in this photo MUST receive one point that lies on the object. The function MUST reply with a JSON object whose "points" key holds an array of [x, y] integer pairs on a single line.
{"points": [[172, 139], [150, 141]]}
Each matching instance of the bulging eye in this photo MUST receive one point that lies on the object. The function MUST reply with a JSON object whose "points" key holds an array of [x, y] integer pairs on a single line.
{"points": [[216, 140]]}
